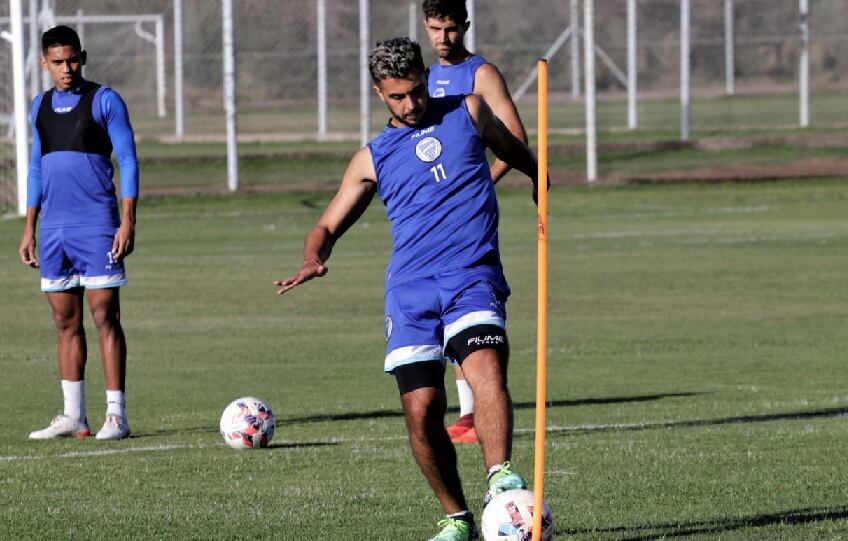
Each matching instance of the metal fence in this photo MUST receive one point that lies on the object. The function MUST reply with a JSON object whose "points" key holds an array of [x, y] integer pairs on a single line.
{"points": [[277, 61]]}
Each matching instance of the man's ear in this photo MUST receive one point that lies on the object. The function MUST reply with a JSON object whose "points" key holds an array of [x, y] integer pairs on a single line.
{"points": [[83, 57], [379, 93], [466, 25]]}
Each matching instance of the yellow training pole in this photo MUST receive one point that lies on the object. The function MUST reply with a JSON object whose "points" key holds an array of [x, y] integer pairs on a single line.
{"points": [[542, 310]]}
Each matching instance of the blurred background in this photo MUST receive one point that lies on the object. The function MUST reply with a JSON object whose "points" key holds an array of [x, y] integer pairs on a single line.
{"points": [[745, 59]]}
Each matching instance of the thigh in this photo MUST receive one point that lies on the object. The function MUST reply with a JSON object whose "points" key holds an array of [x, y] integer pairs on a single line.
{"points": [[413, 325], [472, 298], [420, 375], [90, 250], [66, 306], [104, 303]]}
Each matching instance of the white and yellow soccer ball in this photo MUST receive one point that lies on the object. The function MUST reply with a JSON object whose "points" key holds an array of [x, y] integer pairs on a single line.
{"points": [[247, 423], [509, 517]]}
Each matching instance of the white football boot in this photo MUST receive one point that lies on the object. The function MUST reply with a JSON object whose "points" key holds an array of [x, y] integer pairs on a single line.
{"points": [[114, 428], [62, 426]]}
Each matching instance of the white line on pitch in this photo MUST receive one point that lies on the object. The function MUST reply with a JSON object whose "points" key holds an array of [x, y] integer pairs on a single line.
{"points": [[103, 452], [171, 447], [99, 452]]}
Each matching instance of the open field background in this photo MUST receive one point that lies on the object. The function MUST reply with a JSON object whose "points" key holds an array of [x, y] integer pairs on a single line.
{"points": [[697, 376]]}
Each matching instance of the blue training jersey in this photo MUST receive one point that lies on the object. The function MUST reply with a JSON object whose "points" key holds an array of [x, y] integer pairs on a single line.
{"points": [[74, 187], [434, 181], [454, 79]]}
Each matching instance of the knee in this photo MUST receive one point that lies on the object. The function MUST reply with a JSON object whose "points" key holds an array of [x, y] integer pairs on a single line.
{"points": [[485, 369], [423, 416], [104, 317], [67, 323]]}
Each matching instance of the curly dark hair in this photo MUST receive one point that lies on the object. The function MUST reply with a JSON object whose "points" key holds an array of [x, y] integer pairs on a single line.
{"points": [[394, 58], [441, 9]]}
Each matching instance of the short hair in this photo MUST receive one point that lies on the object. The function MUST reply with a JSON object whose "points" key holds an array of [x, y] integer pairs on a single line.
{"points": [[59, 36], [395, 58], [441, 9]]}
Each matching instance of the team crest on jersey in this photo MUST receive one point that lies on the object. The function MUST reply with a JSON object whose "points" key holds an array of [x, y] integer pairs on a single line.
{"points": [[439, 92], [428, 149]]}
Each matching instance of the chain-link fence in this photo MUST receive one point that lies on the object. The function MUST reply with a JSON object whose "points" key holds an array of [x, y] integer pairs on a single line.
{"points": [[131, 47]]}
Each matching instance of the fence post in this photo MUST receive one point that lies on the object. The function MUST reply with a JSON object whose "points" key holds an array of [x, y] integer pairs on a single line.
{"points": [[230, 101], [589, 76], [364, 77], [178, 68], [804, 67], [16, 19], [632, 66], [684, 70]]}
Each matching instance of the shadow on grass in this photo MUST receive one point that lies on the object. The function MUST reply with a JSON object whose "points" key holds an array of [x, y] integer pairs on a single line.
{"points": [[624, 427], [651, 532], [172, 431], [593, 401], [379, 414], [283, 446]]}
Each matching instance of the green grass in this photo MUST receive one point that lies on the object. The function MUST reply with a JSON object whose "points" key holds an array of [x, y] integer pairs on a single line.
{"points": [[696, 374], [311, 166]]}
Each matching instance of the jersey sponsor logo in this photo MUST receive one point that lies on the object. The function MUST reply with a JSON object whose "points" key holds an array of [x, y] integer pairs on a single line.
{"points": [[442, 81], [425, 131], [63, 109], [428, 149], [439, 92]]}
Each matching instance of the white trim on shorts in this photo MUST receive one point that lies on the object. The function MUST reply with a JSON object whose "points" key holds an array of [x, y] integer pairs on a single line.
{"points": [[60, 284], [483, 317], [88, 282], [413, 354]]}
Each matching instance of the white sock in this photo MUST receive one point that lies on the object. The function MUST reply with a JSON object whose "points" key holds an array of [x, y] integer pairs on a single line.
{"points": [[115, 403], [493, 470], [74, 394], [466, 397]]}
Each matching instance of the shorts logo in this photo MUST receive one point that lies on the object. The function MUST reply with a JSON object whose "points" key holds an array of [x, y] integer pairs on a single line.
{"points": [[439, 92], [428, 149], [389, 328], [488, 340]]}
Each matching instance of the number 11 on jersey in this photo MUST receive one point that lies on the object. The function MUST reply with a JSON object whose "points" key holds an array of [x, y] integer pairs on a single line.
{"points": [[438, 171]]}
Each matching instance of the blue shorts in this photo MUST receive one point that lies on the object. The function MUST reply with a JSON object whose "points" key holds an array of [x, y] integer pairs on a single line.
{"points": [[421, 316], [73, 257]]}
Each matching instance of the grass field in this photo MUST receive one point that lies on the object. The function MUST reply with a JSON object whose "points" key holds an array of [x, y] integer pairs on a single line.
{"points": [[697, 377]]}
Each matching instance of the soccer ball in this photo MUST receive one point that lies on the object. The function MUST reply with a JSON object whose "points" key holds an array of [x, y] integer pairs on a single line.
{"points": [[509, 517], [247, 423]]}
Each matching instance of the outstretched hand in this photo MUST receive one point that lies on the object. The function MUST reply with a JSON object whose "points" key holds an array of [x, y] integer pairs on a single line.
{"points": [[309, 270]]}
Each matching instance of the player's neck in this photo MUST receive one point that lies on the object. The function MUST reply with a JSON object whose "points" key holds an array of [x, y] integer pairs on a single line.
{"points": [[458, 58], [75, 88]]}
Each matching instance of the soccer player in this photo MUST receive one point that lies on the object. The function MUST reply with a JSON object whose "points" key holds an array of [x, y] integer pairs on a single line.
{"points": [[83, 239], [459, 72], [445, 288]]}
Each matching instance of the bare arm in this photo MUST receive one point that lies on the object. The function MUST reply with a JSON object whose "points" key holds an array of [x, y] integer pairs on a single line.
{"points": [[124, 241], [490, 85], [26, 250], [351, 200], [501, 141]]}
